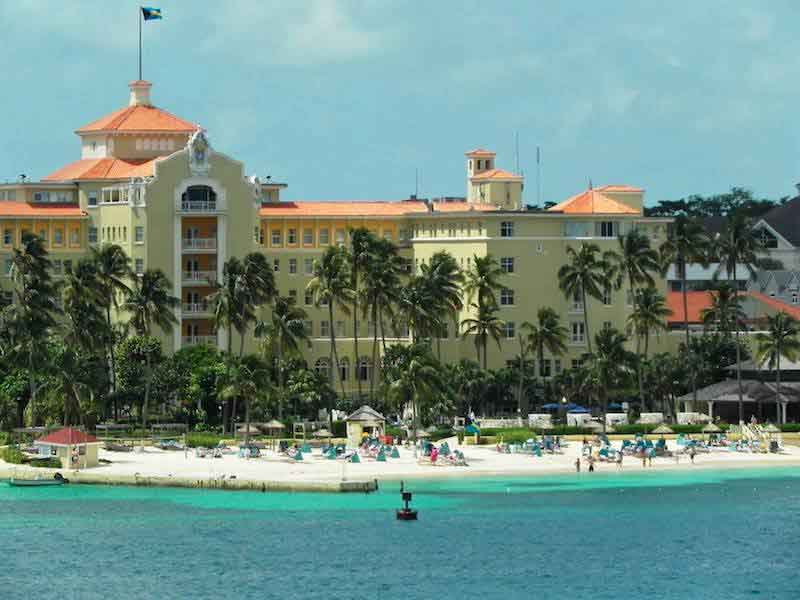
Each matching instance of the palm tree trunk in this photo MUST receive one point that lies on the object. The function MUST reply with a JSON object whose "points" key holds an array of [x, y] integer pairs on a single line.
{"points": [[374, 350], [778, 387], [639, 368], [685, 294], [738, 349], [241, 344], [147, 379], [280, 381], [521, 373], [383, 332], [586, 320], [335, 364], [355, 327], [247, 421]]}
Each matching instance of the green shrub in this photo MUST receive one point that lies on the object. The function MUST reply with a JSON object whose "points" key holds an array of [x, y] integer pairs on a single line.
{"points": [[520, 434], [339, 429], [51, 462], [205, 440], [3, 438], [790, 427], [12, 455]]}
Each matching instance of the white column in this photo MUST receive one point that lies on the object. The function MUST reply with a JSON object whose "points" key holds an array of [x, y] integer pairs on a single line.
{"points": [[783, 413], [222, 256], [176, 280], [711, 409]]}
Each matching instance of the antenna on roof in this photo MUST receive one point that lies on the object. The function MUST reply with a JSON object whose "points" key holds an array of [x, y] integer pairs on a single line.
{"points": [[538, 176], [516, 151], [590, 183], [416, 182]]}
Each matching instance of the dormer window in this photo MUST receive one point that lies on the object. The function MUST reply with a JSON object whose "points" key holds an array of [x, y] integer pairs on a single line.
{"points": [[767, 239]]}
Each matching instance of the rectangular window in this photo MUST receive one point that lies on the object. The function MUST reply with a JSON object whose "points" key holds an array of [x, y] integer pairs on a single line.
{"points": [[139, 266], [577, 302], [59, 237], [506, 297], [387, 235], [507, 229], [340, 237], [606, 229], [138, 234], [340, 328], [325, 328], [276, 265], [308, 266], [557, 363], [43, 235], [577, 363], [324, 238], [92, 235], [578, 332], [544, 368], [794, 297], [607, 297], [309, 328], [509, 330], [308, 237], [292, 266], [91, 198], [606, 324], [74, 236], [9, 263], [291, 236], [8, 237], [293, 295], [507, 264], [276, 237], [308, 299]]}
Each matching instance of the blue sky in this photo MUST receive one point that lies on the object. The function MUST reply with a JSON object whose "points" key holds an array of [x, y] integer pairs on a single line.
{"points": [[343, 100]]}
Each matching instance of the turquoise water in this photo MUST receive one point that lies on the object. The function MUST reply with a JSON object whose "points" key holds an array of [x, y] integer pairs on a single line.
{"points": [[697, 534]]}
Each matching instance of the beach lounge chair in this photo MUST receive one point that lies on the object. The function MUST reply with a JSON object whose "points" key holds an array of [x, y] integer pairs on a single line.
{"points": [[381, 456], [395, 453]]}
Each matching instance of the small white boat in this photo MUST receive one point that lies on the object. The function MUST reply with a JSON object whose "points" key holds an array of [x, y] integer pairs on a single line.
{"points": [[57, 479]]}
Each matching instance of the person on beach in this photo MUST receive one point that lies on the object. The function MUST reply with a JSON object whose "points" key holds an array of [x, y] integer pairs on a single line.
{"points": [[644, 461], [619, 461], [591, 466], [578, 464], [649, 460], [691, 455]]}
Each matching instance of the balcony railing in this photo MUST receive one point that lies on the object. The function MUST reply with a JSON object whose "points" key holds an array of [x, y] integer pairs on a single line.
{"points": [[199, 340], [200, 244], [196, 308], [199, 277], [199, 205]]}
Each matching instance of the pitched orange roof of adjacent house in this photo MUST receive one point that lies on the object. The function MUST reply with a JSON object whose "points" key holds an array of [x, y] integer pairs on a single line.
{"points": [[593, 201], [24, 209], [140, 118], [359, 208], [696, 302], [480, 152], [103, 168], [776, 304], [497, 174]]}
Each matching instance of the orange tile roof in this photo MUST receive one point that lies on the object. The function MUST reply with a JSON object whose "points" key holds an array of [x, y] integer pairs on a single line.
{"points": [[776, 304], [696, 302], [24, 209], [140, 118], [103, 168], [480, 152], [593, 202], [497, 174], [359, 208]]}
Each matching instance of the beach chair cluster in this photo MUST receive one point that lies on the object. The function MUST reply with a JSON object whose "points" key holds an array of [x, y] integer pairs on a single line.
{"points": [[534, 446], [441, 456], [643, 447]]}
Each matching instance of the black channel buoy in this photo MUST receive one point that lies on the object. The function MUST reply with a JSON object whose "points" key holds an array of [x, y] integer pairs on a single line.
{"points": [[406, 513]]}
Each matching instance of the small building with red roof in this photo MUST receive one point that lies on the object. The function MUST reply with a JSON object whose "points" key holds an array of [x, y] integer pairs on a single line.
{"points": [[75, 449]]}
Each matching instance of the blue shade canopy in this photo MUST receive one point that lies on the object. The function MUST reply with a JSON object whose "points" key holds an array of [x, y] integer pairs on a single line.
{"points": [[615, 406], [551, 406]]}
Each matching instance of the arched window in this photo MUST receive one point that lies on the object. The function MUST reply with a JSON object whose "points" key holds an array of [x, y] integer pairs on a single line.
{"points": [[344, 369], [323, 367], [199, 197], [364, 369]]}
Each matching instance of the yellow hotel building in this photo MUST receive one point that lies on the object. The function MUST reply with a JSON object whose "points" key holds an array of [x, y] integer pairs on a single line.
{"points": [[150, 182]]}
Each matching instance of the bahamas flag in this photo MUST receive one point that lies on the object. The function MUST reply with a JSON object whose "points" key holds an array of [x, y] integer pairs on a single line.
{"points": [[151, 14]]}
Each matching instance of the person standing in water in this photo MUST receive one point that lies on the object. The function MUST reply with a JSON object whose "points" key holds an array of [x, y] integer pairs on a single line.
{"points": [[578, 465]]}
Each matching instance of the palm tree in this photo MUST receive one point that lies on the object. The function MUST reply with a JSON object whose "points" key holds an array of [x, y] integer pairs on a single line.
{"points": [[113, 276], [649, 316], [688, 243], [151, 303], [225, 298], [483, 325], [781, 340], [282, 335], [725, 313], [585, 276], [362, 242], [610, 364], [417, 383], [241, 381], [482, 280], [330, 287], [381, 287], [442, 278], [255, 288], [546, 333], [634, 261], [31, 317], [738, 245], [415, 308]]}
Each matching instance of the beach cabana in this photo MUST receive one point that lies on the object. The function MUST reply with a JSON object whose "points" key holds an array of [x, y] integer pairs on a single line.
{"points": [[274, 427], [73, 447], [662, 430], [364, 420]]}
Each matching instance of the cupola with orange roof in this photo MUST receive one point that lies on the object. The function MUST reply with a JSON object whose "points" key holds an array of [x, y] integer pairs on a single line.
{"points": [[486, 184]]}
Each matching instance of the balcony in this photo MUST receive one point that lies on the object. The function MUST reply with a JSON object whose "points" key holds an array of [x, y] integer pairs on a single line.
{"points": [[196, 309], [195, 278], [199, 340], [199, 206], [200, 244]]}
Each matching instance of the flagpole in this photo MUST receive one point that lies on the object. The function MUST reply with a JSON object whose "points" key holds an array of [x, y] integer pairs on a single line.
{"points": [[139, 13]]}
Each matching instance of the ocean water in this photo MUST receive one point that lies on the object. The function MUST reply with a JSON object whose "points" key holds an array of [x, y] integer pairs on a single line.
{"points": [[696, 534]]}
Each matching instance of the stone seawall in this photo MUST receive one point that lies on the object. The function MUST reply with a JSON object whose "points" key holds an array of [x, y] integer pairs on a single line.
{"points": [[87, 477]]}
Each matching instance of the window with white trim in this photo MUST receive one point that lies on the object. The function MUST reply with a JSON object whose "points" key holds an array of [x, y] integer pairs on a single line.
{"points": [[138, 234], [308, 266], [276, 237], [325, 328], [509, 330], [292, 266], [139, 266], [578, 332], [92, 235], [507, 297], [507, 264], [324, 236], [276, 265], [291, 236], [507, 229], [91, 198], [308, 237]]}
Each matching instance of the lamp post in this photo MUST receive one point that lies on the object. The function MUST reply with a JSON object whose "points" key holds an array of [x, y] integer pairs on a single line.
{"points": [[564, 405]]}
